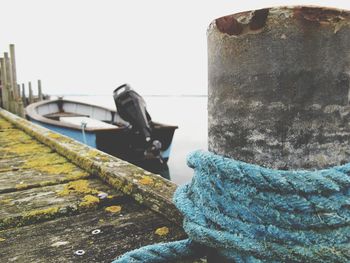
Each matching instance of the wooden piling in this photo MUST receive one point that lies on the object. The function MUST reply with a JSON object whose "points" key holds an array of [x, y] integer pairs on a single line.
{"points": [[31, 97], [10, 95], [4, 90], [40, 94], [24, 99], [13, 71], [7, 82]]}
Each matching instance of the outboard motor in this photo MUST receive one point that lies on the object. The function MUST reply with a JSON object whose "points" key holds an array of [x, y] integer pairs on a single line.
{"points": [[132, 108]]}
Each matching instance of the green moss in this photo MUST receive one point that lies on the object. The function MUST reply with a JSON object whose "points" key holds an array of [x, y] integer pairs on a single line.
{"points": [[138, 198]]}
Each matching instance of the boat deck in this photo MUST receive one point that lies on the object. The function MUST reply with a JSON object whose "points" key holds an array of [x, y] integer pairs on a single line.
{"points": [[52, 210]]}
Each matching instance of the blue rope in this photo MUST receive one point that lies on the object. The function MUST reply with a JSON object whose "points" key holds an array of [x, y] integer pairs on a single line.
{"points": [[249, 214]]}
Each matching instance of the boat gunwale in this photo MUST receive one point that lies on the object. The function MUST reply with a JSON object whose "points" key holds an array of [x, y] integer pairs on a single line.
{"points": [[32, 114]]}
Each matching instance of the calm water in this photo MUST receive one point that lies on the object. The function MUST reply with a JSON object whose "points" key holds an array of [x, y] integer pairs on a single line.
{"points": [[189, 113]]}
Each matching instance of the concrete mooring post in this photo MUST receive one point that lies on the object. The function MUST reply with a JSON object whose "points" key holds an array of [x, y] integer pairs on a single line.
{"points": [[279, 82]]}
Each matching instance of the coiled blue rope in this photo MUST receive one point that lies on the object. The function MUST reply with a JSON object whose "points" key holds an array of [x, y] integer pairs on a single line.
{"points": [[249, 213]]}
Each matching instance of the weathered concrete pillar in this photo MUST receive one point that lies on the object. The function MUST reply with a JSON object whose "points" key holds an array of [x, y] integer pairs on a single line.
{"points": [[279, 84]]}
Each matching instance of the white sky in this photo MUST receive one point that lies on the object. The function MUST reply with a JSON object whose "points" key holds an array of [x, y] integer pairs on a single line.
{"points": [[92, 46]]}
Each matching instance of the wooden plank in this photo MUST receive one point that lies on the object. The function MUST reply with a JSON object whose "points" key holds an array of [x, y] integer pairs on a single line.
{"points": [[146, 188], [26, 149], [40, 161], [5, 124], [16, 143], [39, 204], [49, 223], [58, 240], [11, 181], [10, 135]]}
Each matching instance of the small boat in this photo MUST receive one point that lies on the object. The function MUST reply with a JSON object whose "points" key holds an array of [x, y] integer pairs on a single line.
{"points": [[128, 133]]}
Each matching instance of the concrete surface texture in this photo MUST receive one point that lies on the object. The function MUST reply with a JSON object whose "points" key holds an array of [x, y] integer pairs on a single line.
{"points": [[279, 87]]}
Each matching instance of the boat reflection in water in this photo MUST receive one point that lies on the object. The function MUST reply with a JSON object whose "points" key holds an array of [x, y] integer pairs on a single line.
{"points": [[128, 133]]}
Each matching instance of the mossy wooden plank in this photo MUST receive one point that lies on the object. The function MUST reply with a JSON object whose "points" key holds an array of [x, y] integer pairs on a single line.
{"points": [[15, 143], [24, 149], [29, 178], [4, 124], [146, 188], [38, 204], [58, 240], [37, 160], [14, 136]]}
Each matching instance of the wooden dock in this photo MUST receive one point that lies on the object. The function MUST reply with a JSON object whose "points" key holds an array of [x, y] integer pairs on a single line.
{"points": [[62, 201]]}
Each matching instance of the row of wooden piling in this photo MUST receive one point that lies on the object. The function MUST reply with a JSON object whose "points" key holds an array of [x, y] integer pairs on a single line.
{"points": [[13, 96]]}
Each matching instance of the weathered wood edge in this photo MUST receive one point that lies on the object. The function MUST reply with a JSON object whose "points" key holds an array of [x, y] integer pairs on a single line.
{"points": [[146, 188]]}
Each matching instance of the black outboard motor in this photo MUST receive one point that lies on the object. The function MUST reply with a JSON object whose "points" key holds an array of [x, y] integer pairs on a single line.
{"points": [[132, 108]]}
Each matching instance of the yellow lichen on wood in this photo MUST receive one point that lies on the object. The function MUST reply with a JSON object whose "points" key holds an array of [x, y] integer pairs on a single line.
{"points": [[113, 209], [128, 188], [21, 186], [15, 136], [146, 180], [5, 124], [63, 168], [43, 161], [41, 214], [162, 231], [159, 184], [26, 148], [76, 175], [97, 155], [92, 153], [54, 135], [78, 187], [89, 201], [5, 201]]}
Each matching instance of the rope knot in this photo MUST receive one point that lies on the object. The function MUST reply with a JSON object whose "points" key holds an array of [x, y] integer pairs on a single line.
{"points": [[249, 213]]}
